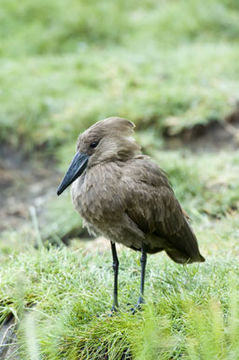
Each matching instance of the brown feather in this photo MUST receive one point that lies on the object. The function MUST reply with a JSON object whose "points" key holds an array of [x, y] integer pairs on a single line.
{"points": [[126, 197]]}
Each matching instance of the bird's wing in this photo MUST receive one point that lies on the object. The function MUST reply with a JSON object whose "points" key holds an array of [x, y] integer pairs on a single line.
{"points": [[152, 205]]}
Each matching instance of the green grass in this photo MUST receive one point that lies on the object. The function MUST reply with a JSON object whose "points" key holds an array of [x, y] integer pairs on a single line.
{"points": [[56, 98], [205, 184], [163, 64], [191, 312], [52, 29]]}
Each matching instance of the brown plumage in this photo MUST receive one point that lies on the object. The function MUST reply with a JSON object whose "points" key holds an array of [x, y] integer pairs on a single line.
{"points": [[124, 196]]}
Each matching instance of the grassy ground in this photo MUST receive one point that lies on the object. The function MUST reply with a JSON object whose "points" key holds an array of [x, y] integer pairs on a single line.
{"points": [[191, 312], [164, 65]]}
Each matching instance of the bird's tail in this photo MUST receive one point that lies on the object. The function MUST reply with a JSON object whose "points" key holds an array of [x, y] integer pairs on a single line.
{"points": [[184, 249]]}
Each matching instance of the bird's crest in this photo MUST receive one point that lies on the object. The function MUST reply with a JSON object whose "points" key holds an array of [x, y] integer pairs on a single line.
{"points": [[113, 125]]}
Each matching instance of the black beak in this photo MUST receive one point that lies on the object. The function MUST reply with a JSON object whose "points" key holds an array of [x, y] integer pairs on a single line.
{"points": [[76, 168]]}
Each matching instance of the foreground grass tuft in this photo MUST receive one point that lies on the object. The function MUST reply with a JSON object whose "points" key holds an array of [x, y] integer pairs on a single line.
{"points": [[191, 311]]}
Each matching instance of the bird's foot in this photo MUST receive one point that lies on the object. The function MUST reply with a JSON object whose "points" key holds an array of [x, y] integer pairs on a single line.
{"points": [[138, 306], [113, 310]]}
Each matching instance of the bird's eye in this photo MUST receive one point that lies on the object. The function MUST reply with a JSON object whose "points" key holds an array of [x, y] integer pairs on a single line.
{"points": [[94, 144]]}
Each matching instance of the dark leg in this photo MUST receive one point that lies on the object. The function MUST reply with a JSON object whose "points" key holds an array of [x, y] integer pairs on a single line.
{"points": [[143, 261], [116, 270]]}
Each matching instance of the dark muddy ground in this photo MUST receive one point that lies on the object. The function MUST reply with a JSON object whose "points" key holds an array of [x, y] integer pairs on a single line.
{"points": [[24, 182], [213, 136]]}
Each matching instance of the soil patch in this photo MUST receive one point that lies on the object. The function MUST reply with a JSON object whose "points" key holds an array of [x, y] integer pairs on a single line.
{"points": [[214, 136], [24, 182]]}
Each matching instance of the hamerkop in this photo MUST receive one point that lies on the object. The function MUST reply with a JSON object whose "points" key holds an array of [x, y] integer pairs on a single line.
{"points": [[124, 196]]}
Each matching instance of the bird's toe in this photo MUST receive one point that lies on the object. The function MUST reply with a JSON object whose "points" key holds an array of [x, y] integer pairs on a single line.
{"points": [[138, 306]]}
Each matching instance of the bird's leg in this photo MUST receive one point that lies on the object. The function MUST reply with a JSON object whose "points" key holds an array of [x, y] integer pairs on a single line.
{"points": [[143, 261], [116, 270]]}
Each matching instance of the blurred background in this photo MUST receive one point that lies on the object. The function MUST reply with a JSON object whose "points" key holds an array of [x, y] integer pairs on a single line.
{"points": [[170, 66]]}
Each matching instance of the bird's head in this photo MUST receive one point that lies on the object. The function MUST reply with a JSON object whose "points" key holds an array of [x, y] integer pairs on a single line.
{"points": [[107, 140]]}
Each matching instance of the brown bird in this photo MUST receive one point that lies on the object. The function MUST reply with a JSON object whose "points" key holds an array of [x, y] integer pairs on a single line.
{"points": [[124, 196]]}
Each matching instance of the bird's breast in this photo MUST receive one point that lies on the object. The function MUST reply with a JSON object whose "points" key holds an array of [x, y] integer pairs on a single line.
{"points": [[97, 195], [101, 202]]}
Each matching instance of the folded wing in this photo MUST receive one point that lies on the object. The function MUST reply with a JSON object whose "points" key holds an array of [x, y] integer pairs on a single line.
{"points": [[153, 207]]}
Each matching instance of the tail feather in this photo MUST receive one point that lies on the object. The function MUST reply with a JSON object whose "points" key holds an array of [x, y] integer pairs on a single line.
{"points": [[183, 246]]}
